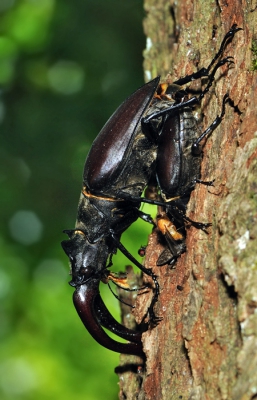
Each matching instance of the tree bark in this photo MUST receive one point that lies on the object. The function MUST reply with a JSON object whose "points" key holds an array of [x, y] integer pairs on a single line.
{"points": [[206, 345]]}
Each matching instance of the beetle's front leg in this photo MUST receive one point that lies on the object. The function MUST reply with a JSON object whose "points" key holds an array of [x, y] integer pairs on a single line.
{"points": [[192, 77], [205, 71], [153, 319], [228, 37], [147, 122]]}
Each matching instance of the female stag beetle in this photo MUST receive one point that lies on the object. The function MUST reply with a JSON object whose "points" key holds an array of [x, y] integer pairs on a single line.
{"points": [[179, 152], [152, 138]]}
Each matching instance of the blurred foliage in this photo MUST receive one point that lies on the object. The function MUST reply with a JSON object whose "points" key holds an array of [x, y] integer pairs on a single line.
{"points": [[64, 68]]}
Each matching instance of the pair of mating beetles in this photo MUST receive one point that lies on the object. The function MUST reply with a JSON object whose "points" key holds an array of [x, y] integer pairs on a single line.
{"points": [[152, 139]]}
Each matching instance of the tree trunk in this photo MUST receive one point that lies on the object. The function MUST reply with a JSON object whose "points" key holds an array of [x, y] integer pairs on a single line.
{"points": [[205, 347]]}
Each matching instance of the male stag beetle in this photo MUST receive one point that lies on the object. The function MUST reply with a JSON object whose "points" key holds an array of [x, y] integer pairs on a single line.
{"points": [[152, 138], [117, 169]]}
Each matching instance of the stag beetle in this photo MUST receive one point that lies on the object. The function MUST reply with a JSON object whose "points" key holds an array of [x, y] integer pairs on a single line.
{"points": [[179, 152], [152, 138], [118, 167]]}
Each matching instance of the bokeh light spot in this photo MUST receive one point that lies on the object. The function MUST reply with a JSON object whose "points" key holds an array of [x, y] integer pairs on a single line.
{"points": [[17, 376], [51, 272], [25, 227], [66, 77]]}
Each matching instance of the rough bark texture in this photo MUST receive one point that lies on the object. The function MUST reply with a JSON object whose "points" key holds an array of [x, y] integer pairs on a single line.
{"points": [[206, 345]]}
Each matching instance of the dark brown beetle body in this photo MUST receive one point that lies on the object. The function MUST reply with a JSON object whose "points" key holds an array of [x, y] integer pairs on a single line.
{"points": [[179, 150], [176, 179], [178, 136], [118, 166], [152, 138]]}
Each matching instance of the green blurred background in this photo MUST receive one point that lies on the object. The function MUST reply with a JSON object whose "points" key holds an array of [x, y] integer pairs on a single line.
{"points": [[64, 68]]}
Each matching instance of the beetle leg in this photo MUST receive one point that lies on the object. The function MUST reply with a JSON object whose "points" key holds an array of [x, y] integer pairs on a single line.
{"points": [[145, 217], [85, 300], [161, 203], [177, 209], [196, 147], [137, 199], [136, 211], [228, 37], [206, 183], [148, 271], [192, 77], [118, 298], [179, 214], [205, 71], [122, 283], [174, 108], [227, 60]]}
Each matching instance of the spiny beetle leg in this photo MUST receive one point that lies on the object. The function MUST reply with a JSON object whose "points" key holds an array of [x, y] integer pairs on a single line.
{"points": [[229, 36], [192, 77], [147, 271], [196, 145], [227, 60], [178, 213], [205, 71], [174, 108]]}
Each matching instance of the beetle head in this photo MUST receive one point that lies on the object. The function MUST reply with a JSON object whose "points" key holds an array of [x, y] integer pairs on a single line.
{"points": [[87, 260]]}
